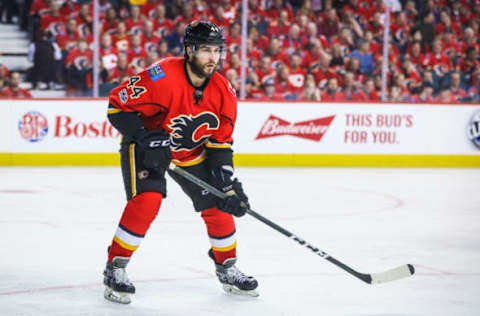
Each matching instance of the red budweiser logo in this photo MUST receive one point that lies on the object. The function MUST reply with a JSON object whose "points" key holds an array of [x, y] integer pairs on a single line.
{"points": [[312, 129]]}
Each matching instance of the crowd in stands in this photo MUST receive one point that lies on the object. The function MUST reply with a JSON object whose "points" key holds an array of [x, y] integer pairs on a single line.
{"points": [[297, 49]]}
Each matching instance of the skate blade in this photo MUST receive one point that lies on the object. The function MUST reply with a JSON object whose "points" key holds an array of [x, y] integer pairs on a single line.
{"points": [[231, 289], [117, 297]]}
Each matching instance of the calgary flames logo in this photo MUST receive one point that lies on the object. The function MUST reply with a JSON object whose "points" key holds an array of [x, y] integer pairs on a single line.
{"points": [[190, 131]]}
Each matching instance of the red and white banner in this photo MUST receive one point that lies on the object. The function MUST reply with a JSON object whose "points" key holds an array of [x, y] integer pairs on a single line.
{"points": [[342, 128], [38, 126], [68, 126]]}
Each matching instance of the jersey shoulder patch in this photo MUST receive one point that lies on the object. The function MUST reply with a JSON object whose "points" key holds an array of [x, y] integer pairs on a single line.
{"points": [[156, 72]]}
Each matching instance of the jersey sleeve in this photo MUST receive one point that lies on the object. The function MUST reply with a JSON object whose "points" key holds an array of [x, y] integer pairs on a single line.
{"points": [[135, 95], [132, 102], [219, 145]]}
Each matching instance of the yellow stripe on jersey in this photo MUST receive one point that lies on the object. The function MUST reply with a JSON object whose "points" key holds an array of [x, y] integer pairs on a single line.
{"points": [[227, 248], [113, 111], [131, 152], [124, 244], [212, 145], [189, 163]]}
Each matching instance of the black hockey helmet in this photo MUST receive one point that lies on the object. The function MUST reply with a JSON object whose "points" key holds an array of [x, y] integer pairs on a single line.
{"points": [[203, 32]]}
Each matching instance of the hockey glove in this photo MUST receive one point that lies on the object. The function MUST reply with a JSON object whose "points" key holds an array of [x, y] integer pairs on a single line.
{"points": [[156, 147], [237, 201]]}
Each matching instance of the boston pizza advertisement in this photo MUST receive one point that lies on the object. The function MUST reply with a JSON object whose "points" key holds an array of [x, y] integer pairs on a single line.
{"points": [[61, 127]]}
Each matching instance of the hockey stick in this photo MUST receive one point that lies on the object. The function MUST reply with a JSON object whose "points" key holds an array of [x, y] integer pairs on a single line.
{"points": [[400, 272]]}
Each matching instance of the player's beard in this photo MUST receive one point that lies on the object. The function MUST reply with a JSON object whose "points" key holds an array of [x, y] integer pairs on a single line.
{"points": [[199, 70]]}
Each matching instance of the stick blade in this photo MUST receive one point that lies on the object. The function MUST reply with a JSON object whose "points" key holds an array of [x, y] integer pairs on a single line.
{"points": [[400, 272]]}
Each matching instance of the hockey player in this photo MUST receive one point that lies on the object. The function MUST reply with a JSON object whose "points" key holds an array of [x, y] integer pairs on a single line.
{"points": [[179, 110]]}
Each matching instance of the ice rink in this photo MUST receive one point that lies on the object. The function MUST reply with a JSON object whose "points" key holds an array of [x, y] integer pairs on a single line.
{"points": [[56, 223]]}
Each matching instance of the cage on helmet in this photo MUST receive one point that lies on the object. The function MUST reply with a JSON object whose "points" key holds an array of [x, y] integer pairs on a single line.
{"points": [[203, 32]]}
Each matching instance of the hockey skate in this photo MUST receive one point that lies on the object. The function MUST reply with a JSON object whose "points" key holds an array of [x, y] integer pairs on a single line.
{"points": [[233, 280], [117, 286]]}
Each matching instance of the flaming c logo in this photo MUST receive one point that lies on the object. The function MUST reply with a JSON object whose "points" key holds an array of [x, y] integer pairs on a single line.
{"points": [[190, 131]]}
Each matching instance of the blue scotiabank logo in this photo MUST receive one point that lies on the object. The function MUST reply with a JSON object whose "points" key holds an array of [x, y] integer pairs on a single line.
{"points": [[473, 130], [33, 126]]}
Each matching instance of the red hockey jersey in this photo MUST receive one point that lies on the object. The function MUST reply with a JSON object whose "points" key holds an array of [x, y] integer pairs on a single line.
{"points": [[165, 99]]}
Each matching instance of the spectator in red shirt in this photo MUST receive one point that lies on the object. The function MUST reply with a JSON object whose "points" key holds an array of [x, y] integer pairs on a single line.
{"points": [[291, 42], [321, 71], [376, 25], [122, 70], [469, 39], [410, 11], [279, 26], [13, 90], [425, 94], [149, 39], [264, 69], [108, 53], [109, 23], [85, 20], [54, 22], [162, 25], [136, 50], [344, 39], [79, 65], [296, 77], [135, 23], [282, 84], [229, 9], [446, 97], [329, 25], [68, 8], [276, 53], [401, 30], [219, 18], [39, 8], [368, 93], [332, 92], [416, 56], [277, 6], [313, 54], [413, 79], [121, 39], [68, 40], [437, 60], [188, 14], [470, 62], [233, 39], [447, 25]]}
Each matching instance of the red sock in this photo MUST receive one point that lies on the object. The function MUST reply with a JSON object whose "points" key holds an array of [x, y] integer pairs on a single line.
{"points": [[221, 231], [136, 219]]}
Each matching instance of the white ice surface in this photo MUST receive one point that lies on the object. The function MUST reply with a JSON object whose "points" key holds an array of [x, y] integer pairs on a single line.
{"points": [[56, 223]]}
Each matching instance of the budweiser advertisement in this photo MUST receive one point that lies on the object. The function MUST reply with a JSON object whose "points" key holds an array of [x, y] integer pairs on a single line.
{"points": [[312, 129], [341, 128]]}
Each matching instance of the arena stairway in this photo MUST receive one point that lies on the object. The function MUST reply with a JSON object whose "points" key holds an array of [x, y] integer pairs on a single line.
{"points": [[13, 54]]}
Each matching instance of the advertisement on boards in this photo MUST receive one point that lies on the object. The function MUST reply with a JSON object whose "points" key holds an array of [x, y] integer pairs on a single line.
{"points": [[355, 129], [52, 126]]}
